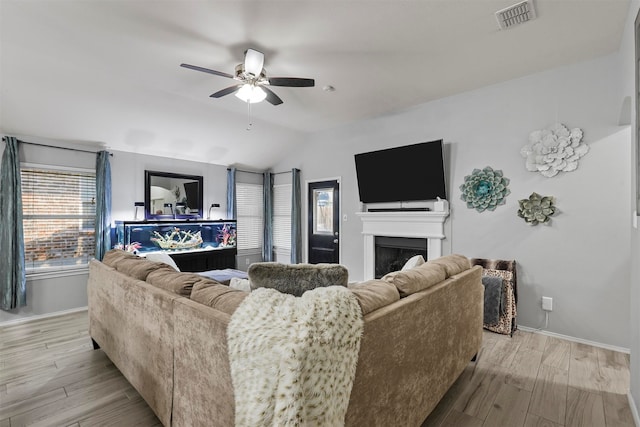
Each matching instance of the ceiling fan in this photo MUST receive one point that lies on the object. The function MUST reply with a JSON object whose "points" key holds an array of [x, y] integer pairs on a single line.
{"points": [[253, 80]]}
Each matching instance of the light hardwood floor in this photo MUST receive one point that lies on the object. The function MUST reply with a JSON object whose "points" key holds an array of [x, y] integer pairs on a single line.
{"points": [[51, 376]]}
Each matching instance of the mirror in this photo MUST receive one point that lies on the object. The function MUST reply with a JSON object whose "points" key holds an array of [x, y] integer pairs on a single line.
{"points": [[172, 196]]}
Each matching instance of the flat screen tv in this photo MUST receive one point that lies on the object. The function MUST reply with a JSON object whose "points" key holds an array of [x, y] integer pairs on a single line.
{"points": [[401, 174]]}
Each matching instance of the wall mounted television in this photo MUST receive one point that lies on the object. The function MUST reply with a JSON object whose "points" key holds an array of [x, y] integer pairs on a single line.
{"points": [[401, 174]]}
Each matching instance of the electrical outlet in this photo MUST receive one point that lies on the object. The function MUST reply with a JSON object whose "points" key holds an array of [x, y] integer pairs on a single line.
{"points": [[547, 303], [246, 261]]}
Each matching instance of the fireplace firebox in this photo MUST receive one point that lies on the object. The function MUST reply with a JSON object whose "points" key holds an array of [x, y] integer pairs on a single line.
{"points": [[391, 253], [427, 225]]}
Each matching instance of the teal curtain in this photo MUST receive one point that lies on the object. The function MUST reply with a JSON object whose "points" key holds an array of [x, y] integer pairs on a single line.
{"points": [[103, 204], [13, 281], [296, 217], [232, 212], [267, 238]]}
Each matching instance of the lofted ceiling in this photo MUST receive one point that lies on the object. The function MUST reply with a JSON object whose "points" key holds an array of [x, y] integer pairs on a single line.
{"points": [[108, 71]]}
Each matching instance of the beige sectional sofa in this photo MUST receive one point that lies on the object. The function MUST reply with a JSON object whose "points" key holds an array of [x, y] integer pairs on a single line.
{"points": [[166, 332]]}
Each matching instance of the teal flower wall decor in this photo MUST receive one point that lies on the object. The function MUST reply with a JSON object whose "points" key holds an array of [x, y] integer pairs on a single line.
{"points": [[485, 189], [536, 209]]}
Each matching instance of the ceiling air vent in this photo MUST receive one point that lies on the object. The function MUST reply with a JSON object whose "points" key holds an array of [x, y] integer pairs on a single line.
{"points": [[516, 14]]}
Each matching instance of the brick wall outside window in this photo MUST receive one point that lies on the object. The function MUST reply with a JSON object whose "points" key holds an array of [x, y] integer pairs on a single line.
{"points": [[58, 217]]}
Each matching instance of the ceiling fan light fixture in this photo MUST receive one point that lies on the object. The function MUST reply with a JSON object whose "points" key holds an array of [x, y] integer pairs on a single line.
{"points": [[251, 94]]}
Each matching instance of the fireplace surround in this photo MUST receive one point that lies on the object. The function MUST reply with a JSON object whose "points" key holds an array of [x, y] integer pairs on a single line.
{"points": [[417, 224]]}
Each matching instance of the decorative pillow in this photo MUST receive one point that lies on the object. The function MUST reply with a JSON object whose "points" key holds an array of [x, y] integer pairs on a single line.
{"points": [[453, 264], [374, 294], [295, 279], [417, 279], [163, 257], [173, 281], [218, 296], [138, 268], [113, 256], [240, 284], [413, 262]]}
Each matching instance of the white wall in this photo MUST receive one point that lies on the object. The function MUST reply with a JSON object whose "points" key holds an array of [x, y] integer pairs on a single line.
{"points": [[582, 258], [627, 81], [127, 180]]}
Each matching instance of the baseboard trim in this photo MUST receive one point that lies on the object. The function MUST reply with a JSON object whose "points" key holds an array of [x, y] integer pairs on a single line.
{"points": [[634, 410], [42, 316], [574, 339]]}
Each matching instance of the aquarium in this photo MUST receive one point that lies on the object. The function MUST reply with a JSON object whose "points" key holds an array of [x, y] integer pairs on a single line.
{"points": [[174, 236]]}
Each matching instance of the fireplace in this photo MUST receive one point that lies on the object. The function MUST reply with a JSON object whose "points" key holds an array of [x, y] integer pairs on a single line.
{"points": [[425, 225], [393, 252]]}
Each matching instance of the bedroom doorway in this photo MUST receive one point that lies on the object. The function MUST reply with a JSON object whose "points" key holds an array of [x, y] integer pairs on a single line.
{"points": [[323, 221]]}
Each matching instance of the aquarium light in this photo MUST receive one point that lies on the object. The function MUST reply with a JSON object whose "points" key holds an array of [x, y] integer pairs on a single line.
{"points": [[213, 205]]}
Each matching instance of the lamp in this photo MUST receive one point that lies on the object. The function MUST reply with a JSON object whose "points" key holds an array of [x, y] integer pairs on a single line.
{"points": [[170, 206], [181, 207], [213, 205], [251, 93], [137, 205]]}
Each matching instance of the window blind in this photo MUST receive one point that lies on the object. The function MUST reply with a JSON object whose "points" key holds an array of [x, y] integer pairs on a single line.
{"points": [[59, 212], [250, 225]]}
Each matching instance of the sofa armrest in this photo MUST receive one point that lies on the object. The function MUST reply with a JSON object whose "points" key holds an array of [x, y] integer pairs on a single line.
{"points": [[132, 322]]}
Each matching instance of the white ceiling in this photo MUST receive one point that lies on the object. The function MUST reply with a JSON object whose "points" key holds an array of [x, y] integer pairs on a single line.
{"points": [[108, 71]]}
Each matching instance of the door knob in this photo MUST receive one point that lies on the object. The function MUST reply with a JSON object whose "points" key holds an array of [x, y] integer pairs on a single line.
{"points": [[335, 240]]}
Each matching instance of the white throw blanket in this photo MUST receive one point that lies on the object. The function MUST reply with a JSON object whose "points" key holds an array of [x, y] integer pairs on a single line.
{"points": [[293, 359]]}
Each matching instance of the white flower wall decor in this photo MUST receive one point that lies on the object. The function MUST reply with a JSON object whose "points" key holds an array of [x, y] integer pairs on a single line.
{"points": [[552, 150]]}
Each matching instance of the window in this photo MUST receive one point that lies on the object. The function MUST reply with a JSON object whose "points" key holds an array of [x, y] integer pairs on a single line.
{"points": [[58, 206], [282, 217], [249, 202], [323, 215]]}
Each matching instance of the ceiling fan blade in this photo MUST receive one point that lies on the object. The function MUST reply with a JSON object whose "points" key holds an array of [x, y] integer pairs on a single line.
{"points": [[253, 62], [271, 97], [226, 91], [206, 70], [291, 82]]}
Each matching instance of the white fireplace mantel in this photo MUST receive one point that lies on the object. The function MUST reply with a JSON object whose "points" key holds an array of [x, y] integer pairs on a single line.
{"points": [[417, 224]]}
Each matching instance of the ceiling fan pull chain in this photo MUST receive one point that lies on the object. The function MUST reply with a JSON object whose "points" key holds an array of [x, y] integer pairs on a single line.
{"points": [[249, 116]]}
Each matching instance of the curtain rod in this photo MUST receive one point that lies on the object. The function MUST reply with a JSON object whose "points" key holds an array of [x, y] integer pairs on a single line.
{"points": [[62, 148], [260, 173]]}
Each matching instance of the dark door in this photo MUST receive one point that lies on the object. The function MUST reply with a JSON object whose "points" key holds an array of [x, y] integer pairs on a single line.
{"points": [[324, 222]]}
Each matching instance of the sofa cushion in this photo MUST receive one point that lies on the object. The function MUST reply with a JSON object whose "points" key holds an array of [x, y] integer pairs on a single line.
{"points": [[417, 279], [170, 280], [374, 294], [217, 295], [295, 279], [139, 268], [113, 256], [453, 264], [163, 257]]}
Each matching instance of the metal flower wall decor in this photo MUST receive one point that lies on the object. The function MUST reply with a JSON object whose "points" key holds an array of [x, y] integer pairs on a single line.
{"points": [[552, 150], [485, 189], [536, 209]]}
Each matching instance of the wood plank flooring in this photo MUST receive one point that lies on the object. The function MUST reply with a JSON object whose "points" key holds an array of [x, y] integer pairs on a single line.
{"points": [[51, 376], [532, 380]]}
